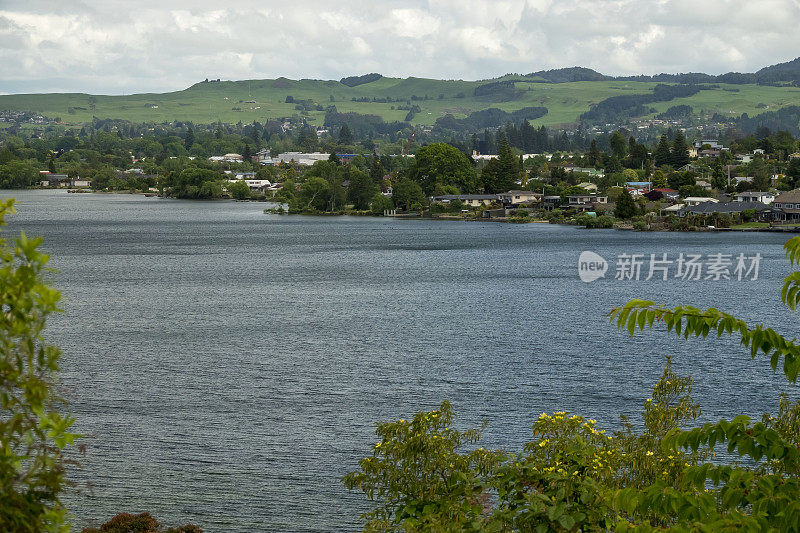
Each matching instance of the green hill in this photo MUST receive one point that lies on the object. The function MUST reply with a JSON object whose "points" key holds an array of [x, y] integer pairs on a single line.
{"points": [[391, 98]]}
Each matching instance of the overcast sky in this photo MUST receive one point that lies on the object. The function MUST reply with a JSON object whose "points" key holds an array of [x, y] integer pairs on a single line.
{"points": [[115, 46]]}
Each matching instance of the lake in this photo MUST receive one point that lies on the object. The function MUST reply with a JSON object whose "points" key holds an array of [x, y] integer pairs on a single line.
{"points": [[227, 367]]}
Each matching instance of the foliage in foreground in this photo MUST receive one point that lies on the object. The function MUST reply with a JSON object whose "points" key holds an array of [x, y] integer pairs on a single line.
{"points": [[425, 475], [139, 523], [33, 429]]}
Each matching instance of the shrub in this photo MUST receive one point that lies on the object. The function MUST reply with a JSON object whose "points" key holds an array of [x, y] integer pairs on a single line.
{"points": [[33, 428], [139, 523]]}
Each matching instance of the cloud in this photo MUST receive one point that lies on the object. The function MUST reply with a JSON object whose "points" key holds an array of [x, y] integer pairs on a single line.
{"points": [[116, 46]]}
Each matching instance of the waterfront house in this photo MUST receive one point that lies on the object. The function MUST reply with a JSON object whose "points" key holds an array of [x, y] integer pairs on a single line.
{"points": [[79, 183], [254, 184], [789, 204], [585, 202], [513, 198], [551, 202], [472, 200], [763, 211], [754, 196], [581, 199], [53, 180]]}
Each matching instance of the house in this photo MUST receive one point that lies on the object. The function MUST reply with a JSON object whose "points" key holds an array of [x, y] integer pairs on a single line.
{"points": [[704, 184], [789, 203], [79, 183], [520, 197], [551, 202], [300, 158], [713, 143], [709, 154], [593, 172], [229, 158], [588, 186], [753, 196], [254, 184], [53, 180], [764, 212], [472, 200], [744, 158], [263, 156], [645, 185], [673, 209], [585, 202], [670, 194], [695, 200]]}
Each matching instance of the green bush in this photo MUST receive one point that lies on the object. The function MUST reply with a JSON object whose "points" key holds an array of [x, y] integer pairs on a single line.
{"points": [[139, 523], [381, 203], [33, 427]]}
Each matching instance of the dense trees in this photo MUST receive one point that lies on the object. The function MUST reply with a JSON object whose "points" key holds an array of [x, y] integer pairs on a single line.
{"points": [[408, 194], [501, 174], [442, 164]]}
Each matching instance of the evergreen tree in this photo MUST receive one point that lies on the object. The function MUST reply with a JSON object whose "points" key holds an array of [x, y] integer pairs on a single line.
{"points": [[345, 136], [680, 151], [594, 153], [662, 154], [507, 169], [618, 145], [189, 140], [626, 207]]}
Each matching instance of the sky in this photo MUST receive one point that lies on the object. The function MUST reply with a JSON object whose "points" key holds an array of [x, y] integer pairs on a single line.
{"points": [[123, 47]]}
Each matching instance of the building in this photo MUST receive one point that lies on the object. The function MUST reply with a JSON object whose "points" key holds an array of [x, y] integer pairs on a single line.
{"points": [[53, 180], [79, 183], [593, 172], [692, 201], [254, 184], [588, 186], [472, 200], [789, 204], [520, 197], [301, 158], [228, 158], [585, 202], [263, 156], [713, 143], [753, 196], [763, 211]]}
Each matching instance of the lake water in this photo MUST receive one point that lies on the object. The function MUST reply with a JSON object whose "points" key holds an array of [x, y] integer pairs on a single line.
{"points": [[227, 367]]}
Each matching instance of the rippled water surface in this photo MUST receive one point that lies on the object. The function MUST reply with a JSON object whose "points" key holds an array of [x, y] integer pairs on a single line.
{"points": [[227, 366]]}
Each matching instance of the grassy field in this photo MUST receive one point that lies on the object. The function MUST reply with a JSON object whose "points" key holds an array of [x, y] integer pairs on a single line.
{"points": [[265, 99]]}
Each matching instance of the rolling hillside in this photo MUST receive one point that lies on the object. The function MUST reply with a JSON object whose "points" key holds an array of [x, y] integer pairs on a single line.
{"points": [[249, 100]]}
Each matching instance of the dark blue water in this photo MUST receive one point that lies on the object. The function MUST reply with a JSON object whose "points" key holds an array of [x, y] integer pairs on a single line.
{"points": [[227, 367]]}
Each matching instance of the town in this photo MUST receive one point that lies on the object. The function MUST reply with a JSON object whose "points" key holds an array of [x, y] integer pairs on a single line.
{"points": [[747, 182]]}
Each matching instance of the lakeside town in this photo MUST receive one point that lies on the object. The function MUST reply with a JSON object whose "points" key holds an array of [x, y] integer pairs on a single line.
{"points": [[746, 184]]}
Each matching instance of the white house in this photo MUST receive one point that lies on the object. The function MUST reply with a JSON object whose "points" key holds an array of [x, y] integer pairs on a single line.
{"points": [[692, 201], [255, 185], [765, 198]]}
